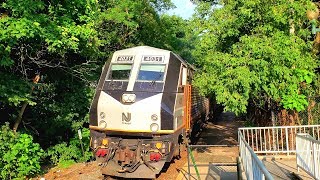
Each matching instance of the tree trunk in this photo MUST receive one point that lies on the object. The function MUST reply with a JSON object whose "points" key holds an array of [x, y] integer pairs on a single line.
{"points": [[311, 105], [289, 118], [316, 44], [18, 121], [273, 118], [24, 105]]}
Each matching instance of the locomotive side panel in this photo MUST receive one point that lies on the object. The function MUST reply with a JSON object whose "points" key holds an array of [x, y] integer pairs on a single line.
{"points": [[179, 111], [199, 106], [170, 93]]}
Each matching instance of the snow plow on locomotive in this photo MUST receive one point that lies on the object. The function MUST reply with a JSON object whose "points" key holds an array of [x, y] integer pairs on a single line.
{"points": [[144, 104]]}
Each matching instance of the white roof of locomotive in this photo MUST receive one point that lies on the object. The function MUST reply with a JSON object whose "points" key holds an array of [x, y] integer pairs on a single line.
{"points": [[147, 50], [142, 49]]}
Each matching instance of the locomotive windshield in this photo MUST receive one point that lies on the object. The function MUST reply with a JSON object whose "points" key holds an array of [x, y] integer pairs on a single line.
{"points": [[120, 72], [151, 72]]}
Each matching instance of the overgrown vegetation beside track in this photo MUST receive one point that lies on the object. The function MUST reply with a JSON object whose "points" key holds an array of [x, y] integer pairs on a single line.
{"points": [[51, 56], [258, 56], [20, 157]]}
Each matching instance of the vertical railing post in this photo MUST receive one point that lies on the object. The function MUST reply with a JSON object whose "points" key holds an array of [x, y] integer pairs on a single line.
{"points": [[188, 154], [317, 160], [297, 152], [273, 139], [287, 141], [314, 157]]}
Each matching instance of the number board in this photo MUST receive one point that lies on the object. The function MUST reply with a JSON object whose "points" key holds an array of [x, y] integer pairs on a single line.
{"points": [[125, 58], [153, 59]]}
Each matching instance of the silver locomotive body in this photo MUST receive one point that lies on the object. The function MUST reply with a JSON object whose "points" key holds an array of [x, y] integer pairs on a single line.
{"points": [[138, 116]]}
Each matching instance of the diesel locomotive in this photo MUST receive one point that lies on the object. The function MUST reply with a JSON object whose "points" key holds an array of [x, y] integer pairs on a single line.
{"points": [[144, 104]]}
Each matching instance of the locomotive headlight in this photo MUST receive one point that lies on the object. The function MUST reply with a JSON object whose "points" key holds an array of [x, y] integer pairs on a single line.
{"points": [[128, 98], [102, 124], [125, 98], [132, 97], [154, 117], [154, 127], [102, 115]]}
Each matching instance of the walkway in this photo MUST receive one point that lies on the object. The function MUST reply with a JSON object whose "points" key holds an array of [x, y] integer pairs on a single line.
{"points": [[217, 162], [213, 163], [222, 132]]}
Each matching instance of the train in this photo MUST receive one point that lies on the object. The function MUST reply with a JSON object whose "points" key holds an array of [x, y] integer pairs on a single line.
{"points": [[143, 109]]}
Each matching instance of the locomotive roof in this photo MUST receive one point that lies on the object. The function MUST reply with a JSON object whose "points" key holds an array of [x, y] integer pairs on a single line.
{"points": [[139, 49]]}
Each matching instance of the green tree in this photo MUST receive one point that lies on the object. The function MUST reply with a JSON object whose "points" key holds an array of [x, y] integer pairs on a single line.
{"points": [[36, 36], [255, 50], [177, 36]]}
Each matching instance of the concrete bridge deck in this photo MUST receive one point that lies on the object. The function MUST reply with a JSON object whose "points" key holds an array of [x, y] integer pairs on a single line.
{"points": [[212, 163], [281, 167], [284, 167]]}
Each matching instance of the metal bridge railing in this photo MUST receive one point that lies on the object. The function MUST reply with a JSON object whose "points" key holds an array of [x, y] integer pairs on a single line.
{"points": [[308, 154], [253, 167], [277, 139], [204, 167]]}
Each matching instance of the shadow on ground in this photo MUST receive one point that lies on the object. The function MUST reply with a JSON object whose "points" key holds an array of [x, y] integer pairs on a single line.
{"points": [[222, 131]]}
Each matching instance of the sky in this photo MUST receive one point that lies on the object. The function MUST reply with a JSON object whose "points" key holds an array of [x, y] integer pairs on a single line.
{"points": [[184, 9]]}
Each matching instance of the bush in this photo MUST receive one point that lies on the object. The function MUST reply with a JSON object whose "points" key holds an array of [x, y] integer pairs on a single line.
{"points": [[19, 156], [64, 154]]}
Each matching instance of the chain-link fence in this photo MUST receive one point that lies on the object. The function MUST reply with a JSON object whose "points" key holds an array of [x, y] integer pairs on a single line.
{"points": [[269, 115], [311, 115]]}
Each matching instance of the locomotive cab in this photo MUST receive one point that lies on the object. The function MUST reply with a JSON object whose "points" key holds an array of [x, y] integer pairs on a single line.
{"points": [[137, 115]]}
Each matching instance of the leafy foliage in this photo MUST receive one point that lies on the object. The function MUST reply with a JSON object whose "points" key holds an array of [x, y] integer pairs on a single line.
{"points": [[18, 92], [19, 156], [64, 153], [54, 28], [255, 50]]}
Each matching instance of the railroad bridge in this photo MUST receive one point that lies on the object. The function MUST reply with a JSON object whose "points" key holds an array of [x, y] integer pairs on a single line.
{"points": [[254, 153]]}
